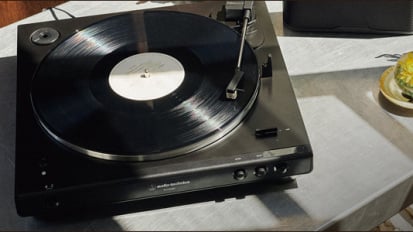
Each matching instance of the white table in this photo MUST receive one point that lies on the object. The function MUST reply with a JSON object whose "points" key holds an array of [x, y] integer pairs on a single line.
{"points": [[363, 145]]}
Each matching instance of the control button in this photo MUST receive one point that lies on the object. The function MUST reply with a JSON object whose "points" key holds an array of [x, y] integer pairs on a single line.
{"points": [[52, 203], [43, 162], [281, 168], [240, 174], [265, 133], [261, 171], [49, 186]]}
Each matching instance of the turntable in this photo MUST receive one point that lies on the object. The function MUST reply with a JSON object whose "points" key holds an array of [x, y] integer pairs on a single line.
{"points": [[149, 106]]}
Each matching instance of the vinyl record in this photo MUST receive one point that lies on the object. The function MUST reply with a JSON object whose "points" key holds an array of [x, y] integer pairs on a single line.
{"points": [[143, 86]]}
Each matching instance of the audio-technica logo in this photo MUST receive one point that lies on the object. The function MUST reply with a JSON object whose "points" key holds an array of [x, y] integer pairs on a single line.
{"points": [[171, 185]]}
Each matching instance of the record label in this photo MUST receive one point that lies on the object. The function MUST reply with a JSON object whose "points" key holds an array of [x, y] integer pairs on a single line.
{"points": [[146, 76]]}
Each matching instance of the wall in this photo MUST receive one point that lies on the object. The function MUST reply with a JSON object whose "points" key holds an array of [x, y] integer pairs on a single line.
{"points": [[12, 11]]}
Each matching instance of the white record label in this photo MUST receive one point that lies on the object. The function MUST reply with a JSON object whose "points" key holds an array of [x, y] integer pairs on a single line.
{"points": [[146, 76]]}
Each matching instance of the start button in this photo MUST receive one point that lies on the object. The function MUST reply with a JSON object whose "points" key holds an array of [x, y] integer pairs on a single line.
{"points": [[240, 174]]}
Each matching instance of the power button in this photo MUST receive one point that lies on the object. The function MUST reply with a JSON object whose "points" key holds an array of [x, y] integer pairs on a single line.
{"points": [[240, 174], [281, 168]]}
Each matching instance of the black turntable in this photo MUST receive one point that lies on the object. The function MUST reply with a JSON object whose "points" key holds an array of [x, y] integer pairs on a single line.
{"points": [[144, 105]]}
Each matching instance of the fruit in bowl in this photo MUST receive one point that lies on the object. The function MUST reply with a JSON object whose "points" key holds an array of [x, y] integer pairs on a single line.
{"points": [[403, 74]]}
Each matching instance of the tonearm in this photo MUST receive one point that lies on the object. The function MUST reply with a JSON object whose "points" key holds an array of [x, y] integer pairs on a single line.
{"points": [[233, 9]]}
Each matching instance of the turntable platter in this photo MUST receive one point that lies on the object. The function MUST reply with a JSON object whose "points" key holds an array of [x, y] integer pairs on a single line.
{"points": [[169, 104]]}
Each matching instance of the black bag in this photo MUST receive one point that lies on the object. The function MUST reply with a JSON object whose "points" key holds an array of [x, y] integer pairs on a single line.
{"points": [[365, 16]]}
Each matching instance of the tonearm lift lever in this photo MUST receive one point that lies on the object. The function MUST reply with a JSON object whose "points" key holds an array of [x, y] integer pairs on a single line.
{"points": [[231, 91]]}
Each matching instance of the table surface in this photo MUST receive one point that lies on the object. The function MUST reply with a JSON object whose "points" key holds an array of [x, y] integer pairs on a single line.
{"points": [[362, 144]]}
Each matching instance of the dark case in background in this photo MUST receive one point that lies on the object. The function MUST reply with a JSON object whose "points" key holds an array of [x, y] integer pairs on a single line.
{"points": [[366, 16]]}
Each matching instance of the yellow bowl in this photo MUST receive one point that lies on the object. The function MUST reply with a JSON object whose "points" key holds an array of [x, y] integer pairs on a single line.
{"points": [[403, 73], [390, 89]]}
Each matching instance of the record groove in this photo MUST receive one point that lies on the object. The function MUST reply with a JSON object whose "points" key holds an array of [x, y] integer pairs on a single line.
{"points": [[74, 103]]}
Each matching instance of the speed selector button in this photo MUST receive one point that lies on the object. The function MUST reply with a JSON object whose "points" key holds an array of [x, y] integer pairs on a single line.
{"points": [[261, 171], [240, 174]]}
